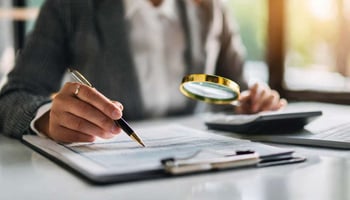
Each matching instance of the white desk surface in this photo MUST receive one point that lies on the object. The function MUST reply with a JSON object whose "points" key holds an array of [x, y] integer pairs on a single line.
{"points": [[25, 174]]}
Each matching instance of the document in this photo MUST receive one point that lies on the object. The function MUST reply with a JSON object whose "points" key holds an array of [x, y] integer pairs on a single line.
{"points": [[121, 159]]}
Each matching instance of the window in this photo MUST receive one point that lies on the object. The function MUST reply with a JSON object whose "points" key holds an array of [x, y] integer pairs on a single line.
{"points": [[318, 49], [309, 49], [251, 16], [16, 19], [6, 40]]}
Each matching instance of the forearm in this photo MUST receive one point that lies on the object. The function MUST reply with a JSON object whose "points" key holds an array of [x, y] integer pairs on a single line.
{"points": [[17, 109], [38, 71]]}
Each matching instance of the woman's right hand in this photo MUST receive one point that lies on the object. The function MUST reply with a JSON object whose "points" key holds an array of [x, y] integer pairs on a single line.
{"points": [[80, 113]]}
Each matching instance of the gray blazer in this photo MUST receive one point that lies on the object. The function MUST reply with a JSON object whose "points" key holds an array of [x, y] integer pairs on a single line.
{"points": [[92, 36]]}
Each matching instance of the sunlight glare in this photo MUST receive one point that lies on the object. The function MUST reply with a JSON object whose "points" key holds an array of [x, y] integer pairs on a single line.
{"points": [[322, 9]]}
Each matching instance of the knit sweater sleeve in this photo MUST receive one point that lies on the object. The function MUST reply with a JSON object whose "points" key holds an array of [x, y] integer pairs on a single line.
{"points": [[38, 71]]}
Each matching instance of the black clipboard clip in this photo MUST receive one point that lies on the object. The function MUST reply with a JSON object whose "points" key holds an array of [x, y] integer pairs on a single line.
{"points": [[204, 160]]}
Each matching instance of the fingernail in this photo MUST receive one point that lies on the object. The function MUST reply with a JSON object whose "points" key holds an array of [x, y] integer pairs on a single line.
{"points": [[114, 128], [116, 114], [119, 105]]}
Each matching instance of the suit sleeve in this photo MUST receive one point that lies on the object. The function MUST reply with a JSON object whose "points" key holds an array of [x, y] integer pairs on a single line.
{"points": [[37, 73]]}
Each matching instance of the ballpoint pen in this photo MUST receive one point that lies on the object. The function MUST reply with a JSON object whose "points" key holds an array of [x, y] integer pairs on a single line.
{"points": [[120, 122]]}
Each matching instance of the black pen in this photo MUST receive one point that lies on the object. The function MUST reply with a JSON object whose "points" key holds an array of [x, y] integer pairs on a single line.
{"points": [[120, 122]]}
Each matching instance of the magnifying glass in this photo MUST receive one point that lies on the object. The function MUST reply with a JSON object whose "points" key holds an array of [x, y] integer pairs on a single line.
{"points": [[210, 89]]}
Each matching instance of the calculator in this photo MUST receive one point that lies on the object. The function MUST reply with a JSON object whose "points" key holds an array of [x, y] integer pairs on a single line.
{"points": [[264, 122]]}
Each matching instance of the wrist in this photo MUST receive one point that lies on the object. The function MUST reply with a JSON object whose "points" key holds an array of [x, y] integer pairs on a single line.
{"points": [[42, 123]]}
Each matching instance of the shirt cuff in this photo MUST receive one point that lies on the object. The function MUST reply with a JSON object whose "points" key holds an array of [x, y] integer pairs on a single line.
{"points": [[41, 111]]}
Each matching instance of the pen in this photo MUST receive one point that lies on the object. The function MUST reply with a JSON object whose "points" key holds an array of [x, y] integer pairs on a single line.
{"points": [[120, 122], [200, 163]]}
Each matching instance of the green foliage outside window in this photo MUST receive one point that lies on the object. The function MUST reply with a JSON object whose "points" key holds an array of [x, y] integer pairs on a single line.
{"points": [[251, 16]]}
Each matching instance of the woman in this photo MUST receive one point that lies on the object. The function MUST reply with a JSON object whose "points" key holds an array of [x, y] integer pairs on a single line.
{"points": [[134, 52]]}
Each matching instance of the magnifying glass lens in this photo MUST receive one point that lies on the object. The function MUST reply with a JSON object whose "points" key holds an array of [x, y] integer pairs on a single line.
{"points": [[210, 88]]}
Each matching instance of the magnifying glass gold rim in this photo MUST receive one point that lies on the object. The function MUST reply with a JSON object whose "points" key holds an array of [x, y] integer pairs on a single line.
{"points": [[205, 78]]}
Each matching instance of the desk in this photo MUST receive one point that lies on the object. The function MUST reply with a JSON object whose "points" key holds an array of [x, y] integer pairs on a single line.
{"points": [[25, 174]]}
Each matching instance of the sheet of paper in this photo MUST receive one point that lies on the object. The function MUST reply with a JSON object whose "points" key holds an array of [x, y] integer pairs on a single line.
{"points": [[123, 155], [162, 142]]}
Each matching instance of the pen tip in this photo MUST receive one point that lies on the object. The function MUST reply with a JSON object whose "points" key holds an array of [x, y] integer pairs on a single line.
{"points": [[137, 139], [143, 145]]}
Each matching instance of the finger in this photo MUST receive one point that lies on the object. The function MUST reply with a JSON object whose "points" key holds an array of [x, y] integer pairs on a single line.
{"points": [[258, 100], [243, 109], [90, 113], [245, 96], [118, 104], [271, 102], [78, 124], [278, 102], [64, 104], [283, 102], [244, 103], [254, 91], [65, 135], [96, 99]]}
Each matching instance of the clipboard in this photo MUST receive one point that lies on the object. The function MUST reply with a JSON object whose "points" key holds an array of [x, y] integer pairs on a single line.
{"points": [[121, 160], [210, 161]]}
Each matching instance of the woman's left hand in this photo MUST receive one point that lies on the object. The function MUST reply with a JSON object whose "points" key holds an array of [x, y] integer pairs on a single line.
{"points": [[259, 97]]}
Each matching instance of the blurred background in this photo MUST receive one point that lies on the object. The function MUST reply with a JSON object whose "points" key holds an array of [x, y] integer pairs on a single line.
{"points": [[300, 47]]}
